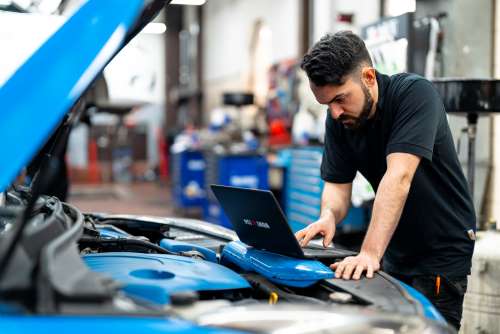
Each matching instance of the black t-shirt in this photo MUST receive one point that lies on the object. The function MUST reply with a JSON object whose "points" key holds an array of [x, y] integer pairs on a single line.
{"points": [[432, 236]]}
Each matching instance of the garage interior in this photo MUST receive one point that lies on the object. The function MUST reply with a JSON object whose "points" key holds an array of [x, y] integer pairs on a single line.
{"points": [[211, 92]]}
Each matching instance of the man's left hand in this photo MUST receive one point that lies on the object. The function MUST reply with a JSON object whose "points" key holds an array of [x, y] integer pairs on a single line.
{"points": [[355, 265]]}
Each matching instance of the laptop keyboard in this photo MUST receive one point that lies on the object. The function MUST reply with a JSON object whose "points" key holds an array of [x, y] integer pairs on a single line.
{"points": [[313, 252]]}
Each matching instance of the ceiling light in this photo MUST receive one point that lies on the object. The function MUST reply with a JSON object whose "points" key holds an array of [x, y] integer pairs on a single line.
{"points": [[48, 6], [154, 28], [188, 2], [22, 3]]}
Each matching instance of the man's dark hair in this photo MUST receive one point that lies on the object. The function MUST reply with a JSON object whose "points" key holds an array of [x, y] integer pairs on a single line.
{"points": [[335, 56]]}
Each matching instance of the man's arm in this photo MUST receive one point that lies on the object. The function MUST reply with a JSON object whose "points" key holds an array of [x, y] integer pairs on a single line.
{"points": [[335, 202], [336, 199], [388, 206]]}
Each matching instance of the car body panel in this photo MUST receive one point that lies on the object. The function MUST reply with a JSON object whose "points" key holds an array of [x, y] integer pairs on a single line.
{"points": [[58, 72], [430, 310], [383, 291], [102, 325]]}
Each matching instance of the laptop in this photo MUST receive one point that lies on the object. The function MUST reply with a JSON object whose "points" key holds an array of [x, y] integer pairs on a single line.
{"points": [[259, 222]]}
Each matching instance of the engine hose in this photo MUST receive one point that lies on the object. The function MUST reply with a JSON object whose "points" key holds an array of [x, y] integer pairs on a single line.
{"points": [[121, 244], [272, 290]]}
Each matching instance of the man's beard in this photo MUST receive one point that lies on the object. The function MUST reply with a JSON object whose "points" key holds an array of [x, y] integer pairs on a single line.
{"points": [[362, 119]]}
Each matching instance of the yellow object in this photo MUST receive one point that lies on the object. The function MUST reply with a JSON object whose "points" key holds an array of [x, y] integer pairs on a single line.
{"points": [[273, 298], [438, 285]]}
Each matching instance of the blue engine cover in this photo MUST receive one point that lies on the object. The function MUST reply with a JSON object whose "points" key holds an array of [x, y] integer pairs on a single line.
{"points": [[111, 232], [275, 267], [179, 246], [156, 276], [174, 246]]}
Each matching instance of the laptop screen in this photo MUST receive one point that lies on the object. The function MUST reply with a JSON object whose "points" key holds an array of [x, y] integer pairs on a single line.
{"points": [[257, 219]]}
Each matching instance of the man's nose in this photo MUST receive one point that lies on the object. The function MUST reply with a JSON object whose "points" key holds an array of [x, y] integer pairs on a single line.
{"points": [[336, 111]]}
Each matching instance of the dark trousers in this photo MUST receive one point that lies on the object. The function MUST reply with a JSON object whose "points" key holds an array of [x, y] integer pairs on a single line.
{"points": [[446, 294]]}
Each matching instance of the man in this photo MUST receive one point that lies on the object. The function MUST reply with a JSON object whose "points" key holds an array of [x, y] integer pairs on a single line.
{"points": [[395, 132]]}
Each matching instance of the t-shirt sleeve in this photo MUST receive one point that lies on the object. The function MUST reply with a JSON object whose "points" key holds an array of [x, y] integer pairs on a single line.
{"points": [[416, 120], [337, 165]]}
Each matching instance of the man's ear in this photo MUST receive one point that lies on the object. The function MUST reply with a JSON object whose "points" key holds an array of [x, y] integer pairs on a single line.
{"points": [[368, 76]]}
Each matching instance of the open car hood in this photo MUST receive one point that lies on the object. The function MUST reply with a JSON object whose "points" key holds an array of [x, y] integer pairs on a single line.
{"points": [[40, 93]]}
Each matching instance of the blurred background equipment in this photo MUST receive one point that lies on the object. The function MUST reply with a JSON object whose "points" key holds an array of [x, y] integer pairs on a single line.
{"points": [[474, 98], [181, 107]]}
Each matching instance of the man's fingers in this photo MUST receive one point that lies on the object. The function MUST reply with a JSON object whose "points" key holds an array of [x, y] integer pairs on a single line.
{"points": [[340, 269], [357, 273], [328, 238], [311, 232], [300, 234], [353, 267], [369, 271], [340, 266], [349, 268]]}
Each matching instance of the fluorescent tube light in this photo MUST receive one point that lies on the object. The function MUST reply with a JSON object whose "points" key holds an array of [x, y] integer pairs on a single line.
{"points": [[188, 2], [154, 28]]}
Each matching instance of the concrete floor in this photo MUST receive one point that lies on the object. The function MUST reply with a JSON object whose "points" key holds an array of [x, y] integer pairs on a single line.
{"points": [[135, 198]]}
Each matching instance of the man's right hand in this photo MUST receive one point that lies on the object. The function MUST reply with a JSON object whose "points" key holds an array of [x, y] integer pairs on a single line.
{"points": [[325, 226]]}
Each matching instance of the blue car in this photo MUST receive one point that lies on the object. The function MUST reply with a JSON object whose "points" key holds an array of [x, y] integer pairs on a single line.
{"points": [[68, 272]]}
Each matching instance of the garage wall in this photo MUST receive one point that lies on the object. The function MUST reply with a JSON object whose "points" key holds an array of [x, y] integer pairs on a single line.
{"points": [[138, 71], [227, 29], [326, 14]]}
